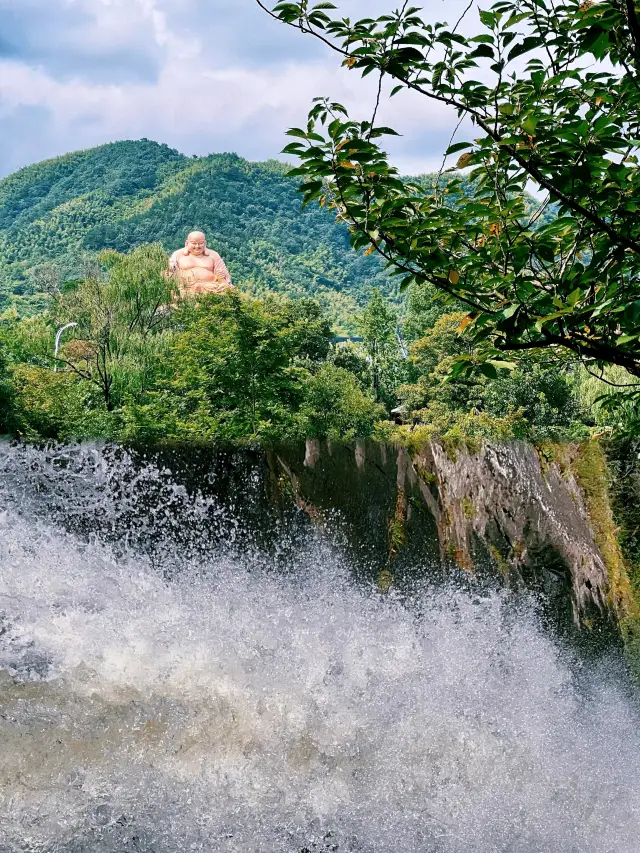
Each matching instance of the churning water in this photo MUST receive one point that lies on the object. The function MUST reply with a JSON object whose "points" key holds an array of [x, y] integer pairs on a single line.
{"points": [[224, 706]]}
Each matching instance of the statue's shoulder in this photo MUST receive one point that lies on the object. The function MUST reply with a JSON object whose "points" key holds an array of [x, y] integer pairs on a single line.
{"points": [[177, 256]]}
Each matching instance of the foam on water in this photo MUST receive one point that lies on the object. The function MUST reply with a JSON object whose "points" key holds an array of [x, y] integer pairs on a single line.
{"points": [[238, 709]]}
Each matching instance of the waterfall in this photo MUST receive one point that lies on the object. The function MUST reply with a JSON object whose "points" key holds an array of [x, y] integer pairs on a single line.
{"points": [[170, 691]]}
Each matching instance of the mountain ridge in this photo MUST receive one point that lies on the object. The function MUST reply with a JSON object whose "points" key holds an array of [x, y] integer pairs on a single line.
{"points": [[56, 214]]}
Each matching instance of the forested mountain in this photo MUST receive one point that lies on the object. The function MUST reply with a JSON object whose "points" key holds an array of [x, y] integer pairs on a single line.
{"points": [[56, 214]]}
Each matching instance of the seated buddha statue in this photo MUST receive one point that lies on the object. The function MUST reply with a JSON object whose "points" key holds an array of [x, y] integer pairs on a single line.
{"points": [[199, 270]]}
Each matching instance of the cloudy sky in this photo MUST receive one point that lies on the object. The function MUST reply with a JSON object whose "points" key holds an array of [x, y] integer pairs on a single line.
{"points": [[201, 75]]}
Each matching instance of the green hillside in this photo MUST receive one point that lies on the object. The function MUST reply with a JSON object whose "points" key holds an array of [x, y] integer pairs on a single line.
{"points": [[55, 215]]}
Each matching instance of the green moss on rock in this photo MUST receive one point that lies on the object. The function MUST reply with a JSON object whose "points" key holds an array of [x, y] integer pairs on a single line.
{"points": [[591, 472]]}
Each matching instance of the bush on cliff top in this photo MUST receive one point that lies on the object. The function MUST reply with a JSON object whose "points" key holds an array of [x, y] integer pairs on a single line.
{"points": [[237, 368]]}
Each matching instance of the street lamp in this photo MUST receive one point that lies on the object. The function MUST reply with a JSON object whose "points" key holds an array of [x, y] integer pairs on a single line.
{"points": [[57, 346]]}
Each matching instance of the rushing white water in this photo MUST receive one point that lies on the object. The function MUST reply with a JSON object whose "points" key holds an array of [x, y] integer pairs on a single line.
{"points": [[237, 709]]}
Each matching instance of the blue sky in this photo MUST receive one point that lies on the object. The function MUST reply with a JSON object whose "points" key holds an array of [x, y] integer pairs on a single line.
{"points": [[201, 75]]}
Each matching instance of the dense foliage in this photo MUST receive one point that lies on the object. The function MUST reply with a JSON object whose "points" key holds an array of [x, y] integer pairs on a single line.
{"points": [[7, 423], [551, 98], [243, 368], [537, 399], [135, 363], [56, 216]]}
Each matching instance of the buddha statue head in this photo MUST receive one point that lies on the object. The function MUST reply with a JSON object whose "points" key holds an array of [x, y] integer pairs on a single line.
{"points": [[196, 244]]}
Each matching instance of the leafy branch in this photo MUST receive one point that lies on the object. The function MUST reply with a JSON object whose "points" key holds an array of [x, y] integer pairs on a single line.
{"points": [[562, 114]]}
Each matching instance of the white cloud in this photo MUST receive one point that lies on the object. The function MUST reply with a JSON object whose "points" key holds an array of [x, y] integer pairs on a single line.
{"points": [[114, 40], [206, 93]]}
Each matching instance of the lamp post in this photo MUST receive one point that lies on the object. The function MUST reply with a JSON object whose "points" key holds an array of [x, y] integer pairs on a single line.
{"points": [[57, 346]]}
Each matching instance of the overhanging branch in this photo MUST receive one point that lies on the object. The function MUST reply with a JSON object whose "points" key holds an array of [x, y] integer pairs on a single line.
{"points": [[530, 168]]}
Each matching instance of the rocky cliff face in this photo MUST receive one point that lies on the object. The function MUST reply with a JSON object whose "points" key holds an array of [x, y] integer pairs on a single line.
{"points": [[535, 519], [531, 518]]}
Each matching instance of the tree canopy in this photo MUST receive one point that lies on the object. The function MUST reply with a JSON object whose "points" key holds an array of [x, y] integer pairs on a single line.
{"points": [[548, 96]]}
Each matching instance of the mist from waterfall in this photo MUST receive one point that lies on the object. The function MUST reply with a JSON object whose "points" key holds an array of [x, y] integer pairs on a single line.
{"points": [[178, 698]]}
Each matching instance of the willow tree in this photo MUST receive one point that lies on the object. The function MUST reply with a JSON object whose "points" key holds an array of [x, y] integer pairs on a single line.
{"points": [[117, 319], [548, 94]]}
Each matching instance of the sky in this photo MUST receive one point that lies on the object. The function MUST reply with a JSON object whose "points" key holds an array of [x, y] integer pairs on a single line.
{"points": [[203, 76]]}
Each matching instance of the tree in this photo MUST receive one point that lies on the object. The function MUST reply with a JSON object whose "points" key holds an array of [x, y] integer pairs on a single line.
{"points": [[423, 310], [547, 396], [239, 368], [377, 324], [249, 369], [7, 395], [336, 407], [349, 357], [537, 398], [430, 360], [115, 343], [45, 278], [552, 94]]}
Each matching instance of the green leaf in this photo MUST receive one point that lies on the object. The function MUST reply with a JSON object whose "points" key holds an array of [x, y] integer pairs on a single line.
{"points": [[293, 148], [383, 131], [632, 313], [545, 252], [483, 50], [488, 370], [487, 18], [510, 311], [528, 44], [503, 365], [459, 146], [515, 19], [600, 46]]}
